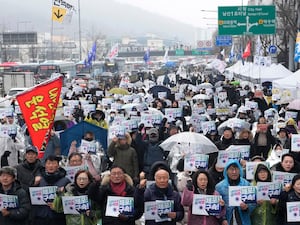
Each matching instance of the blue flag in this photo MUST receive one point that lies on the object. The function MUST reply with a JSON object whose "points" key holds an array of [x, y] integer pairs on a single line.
{"points": [[297, 49], [231, 55], [91, 56], [147, 56]]}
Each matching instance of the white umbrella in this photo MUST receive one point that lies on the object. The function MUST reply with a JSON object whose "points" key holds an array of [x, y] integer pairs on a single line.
{"points": [[201, 97], [205, 85], [234, 123], [188, 142]]}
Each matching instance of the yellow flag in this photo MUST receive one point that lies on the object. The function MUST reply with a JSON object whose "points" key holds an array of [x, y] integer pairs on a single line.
{"points": [[58, 14]]}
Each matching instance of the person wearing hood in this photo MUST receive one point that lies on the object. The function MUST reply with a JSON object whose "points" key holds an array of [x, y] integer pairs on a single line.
{"points": [[265, 210], [201, 183], [28, 172], [233, 176], [275, 155], [82, 181], [116, 183], [52, 175], [10, 186], [283, 138], [245, 137], [124, 155], [97, 118]]}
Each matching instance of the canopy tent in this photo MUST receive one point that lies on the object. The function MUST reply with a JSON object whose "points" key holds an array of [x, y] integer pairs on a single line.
{"points": [[258, 74], [288, 82]]}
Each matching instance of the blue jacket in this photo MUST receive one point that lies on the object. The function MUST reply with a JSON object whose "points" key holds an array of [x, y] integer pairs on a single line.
{"points": [[223, 188]]}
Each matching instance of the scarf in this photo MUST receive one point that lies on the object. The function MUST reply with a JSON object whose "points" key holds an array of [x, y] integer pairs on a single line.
{"points": [[118, 189]]}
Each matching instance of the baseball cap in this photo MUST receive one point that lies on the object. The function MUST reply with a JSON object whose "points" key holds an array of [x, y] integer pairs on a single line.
{"points": [[31, 148]]}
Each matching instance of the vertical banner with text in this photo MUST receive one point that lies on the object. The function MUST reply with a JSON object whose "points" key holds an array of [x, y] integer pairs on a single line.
{"points": [[38, 106]]}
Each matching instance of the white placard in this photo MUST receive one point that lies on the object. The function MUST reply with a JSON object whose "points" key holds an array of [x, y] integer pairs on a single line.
{"points": [[88, 147], [162, 95], [293, 211], [68, 110], [225, 156], [150, 210], [8, 202], [163, 208], [268, 190], [72, 170], [244, 150], [295, 143], [75, 204], [42, 195], [87, 108], [239, 194], [206, 205], [119, 205], [282, 177], [194, 162]]}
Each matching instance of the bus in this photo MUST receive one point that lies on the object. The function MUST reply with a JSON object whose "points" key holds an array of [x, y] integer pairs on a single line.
{"points": [[27, 67], [94, 70], [7, 66], [47, 68]]}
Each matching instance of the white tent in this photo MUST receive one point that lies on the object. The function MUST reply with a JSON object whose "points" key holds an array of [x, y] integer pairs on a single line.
{"points": [[289, 82]]}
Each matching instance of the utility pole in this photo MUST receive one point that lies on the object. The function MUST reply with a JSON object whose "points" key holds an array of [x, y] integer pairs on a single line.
{"points": [[79, 27]]}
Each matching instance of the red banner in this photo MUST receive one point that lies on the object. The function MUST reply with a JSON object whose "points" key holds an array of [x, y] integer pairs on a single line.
{"points": [[38, 106], [247, 51]]}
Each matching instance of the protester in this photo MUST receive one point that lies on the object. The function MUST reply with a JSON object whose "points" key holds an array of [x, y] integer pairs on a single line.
{"points": [[265, 211], [201, 183], [117, 183], [52, 147], [287, 164], [97, 118], [288, 195], [124, 155], [28, 172], [162, 190], [233, 176], [52, 175], [82, 180], [9, 185]]}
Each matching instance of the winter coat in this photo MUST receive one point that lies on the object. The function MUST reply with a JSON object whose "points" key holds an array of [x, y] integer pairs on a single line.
{"points": [[152, 193], [124, 156], [223, 188], [264, 214], [187, 200], [57, 179], [18, 216], [81, 219], [26, 173], [282, 209], [99, 195]]}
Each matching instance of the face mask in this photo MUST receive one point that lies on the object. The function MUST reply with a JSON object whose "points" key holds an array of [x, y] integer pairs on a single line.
{"points": [[88, 139], [278, 152]]}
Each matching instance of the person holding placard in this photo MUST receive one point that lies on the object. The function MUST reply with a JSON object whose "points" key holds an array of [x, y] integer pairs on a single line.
{"points": [[287, 164], [166, 200], [15, 197], [202, 184], [265, 210], [233, 176], [52, 175], [287, 198], [117, 197], [86, 213]]}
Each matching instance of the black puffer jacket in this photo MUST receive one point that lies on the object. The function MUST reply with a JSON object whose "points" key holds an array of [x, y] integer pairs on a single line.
{"points": [[18, 216], [27, 172]]}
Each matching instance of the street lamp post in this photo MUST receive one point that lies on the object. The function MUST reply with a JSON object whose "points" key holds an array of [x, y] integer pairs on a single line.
{"points": [[79, 27]]}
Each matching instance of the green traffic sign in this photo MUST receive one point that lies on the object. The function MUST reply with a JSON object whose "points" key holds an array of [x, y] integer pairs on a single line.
{"points": [[179, 52], [239, 20]]}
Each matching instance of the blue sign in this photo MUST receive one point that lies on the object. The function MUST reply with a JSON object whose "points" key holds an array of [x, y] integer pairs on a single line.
{"points": [[272, 49], [223, 40]]}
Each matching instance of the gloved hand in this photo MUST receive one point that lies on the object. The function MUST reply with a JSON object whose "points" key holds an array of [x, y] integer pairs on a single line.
{"points": [[123, 217], [93, 188], [189, 185], [141, 126]]}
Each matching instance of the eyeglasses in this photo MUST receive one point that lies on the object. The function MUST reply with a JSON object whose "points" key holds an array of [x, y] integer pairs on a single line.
{"points": [[116, 174], [82, 178]]}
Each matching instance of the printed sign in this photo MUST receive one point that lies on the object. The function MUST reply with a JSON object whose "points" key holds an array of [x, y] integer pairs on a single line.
{"points": [[282, 177], [268, 190], [72, 170], [75, 204], [42, 195], [206, 205], [163, 208], [295, 146], [239, 194], [293, 211], [88, 147], [194, 162], [8, 201], [119, 205]]}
